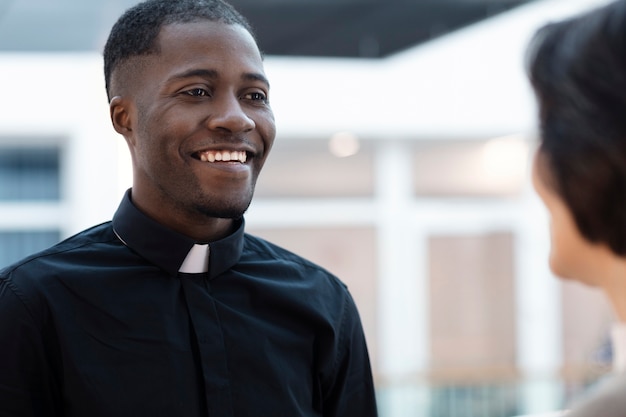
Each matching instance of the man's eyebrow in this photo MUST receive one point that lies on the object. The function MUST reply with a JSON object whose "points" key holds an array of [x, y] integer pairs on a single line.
{"points": [[203, 73], [253, 76], [212, 74]]}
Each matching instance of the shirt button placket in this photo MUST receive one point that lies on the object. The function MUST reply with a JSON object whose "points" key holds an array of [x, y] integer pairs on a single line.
{"points": [[206, 325]]}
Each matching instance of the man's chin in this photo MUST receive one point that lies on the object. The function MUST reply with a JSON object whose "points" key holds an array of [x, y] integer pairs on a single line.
{"points": [[234, 212]]}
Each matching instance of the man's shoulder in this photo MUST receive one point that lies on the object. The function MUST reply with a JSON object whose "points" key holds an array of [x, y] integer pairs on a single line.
{"points": [[33, 279], [268, 251]]}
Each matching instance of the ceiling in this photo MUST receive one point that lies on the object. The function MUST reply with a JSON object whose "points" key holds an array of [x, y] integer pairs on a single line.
{"points": [[322, 28]]}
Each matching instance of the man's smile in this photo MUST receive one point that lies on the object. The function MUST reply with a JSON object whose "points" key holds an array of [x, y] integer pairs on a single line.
{"points": [[222, 156]]}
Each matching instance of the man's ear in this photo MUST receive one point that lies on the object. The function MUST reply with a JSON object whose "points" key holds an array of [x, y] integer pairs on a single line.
{"points": [[119, 108]]}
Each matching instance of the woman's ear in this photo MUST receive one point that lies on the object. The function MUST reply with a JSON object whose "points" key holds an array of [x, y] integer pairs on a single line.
{"points": [[120, 115]]}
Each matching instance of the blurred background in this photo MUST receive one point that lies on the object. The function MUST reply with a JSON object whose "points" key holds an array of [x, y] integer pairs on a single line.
{"points": [[405, 132]]}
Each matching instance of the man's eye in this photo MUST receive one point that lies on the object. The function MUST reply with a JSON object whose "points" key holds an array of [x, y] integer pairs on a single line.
{"points": [[256, 96], [197, 92]]}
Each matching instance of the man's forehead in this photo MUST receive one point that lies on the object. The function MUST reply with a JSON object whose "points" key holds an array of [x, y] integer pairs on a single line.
{"points": [[202, 24], [205, 38]]}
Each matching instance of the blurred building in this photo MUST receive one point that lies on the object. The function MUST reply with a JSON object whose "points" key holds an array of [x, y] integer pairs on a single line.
{"points": [[406, 176]]}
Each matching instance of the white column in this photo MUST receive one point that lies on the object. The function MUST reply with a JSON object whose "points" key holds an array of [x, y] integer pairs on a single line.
{"points": [[539, 326], [402, 287]]}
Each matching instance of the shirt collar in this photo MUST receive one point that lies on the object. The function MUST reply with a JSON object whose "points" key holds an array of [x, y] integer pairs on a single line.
{"points": [[167, 248], [197, 260]]}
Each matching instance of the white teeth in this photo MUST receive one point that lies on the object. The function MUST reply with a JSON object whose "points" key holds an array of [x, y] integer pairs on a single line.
{"points": [[225, 156]]}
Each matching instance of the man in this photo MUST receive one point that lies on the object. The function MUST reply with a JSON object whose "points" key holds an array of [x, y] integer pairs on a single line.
{"points": [[171, 309]]}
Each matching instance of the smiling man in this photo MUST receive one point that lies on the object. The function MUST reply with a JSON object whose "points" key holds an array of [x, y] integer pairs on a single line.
{"points": [[171, 309]]}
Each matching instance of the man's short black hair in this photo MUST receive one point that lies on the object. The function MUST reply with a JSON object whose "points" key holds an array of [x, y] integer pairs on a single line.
{"points": [[577, 68], [136, 30]]}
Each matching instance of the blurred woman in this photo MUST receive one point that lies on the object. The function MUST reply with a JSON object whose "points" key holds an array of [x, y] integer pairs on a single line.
{"points": [[577, 68]]}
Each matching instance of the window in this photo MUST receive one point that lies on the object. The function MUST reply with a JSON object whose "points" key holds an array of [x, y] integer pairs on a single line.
{"points": [[486, 168], [472, 293], [306, 168], [28, 174]]}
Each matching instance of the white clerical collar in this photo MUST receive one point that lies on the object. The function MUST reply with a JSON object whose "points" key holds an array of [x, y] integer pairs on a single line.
{"points": [[618, 336], [197, 260]]}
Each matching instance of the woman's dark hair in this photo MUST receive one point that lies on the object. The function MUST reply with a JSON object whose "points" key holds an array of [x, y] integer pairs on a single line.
{"points": [[136, 31], [577, 68]]}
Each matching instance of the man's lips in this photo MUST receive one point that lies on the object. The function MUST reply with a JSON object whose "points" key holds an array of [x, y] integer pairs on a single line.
{"points": [[222, 156]]}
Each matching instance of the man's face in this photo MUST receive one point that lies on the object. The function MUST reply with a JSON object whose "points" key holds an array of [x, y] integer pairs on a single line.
{"points": [[199, 124]]}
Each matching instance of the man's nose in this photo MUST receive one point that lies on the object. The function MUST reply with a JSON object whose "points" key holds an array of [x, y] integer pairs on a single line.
{"points": [[228, 114]]}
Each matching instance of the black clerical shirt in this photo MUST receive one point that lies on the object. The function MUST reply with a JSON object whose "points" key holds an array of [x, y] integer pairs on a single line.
{"points": [[103, 324]]}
